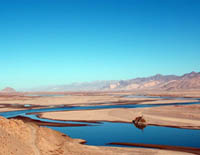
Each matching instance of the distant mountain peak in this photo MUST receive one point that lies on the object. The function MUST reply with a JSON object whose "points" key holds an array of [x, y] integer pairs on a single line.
{"points": [[158, 75], [191, 74], [8, 89]]}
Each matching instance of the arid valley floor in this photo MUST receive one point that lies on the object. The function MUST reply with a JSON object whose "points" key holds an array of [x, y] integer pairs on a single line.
{"points": [[22, 136]]}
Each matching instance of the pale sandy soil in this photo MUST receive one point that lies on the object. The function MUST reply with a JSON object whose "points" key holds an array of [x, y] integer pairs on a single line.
{"points": [[10, 109], [178, 93], [48, 102], [169, 101], [178, 116], [58, 100], [18, 138], [175, 93]]}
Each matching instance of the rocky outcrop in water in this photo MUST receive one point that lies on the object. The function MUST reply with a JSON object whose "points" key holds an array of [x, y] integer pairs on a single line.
{"points": [[140, 122]]}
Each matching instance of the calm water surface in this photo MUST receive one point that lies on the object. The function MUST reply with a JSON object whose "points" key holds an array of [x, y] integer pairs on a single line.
{"points": [[125, 132]]}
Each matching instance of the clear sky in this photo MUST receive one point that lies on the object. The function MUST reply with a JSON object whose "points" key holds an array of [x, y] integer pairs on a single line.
{"points": [[47, 42]]}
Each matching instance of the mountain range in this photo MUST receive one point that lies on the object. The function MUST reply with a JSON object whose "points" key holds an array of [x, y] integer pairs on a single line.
{"points": [[156, 82]]}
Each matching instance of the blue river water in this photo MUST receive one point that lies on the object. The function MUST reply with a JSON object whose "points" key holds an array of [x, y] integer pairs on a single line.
{"points": [[108, 132]]}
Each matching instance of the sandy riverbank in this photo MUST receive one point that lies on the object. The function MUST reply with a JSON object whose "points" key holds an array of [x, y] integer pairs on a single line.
{"points": [[187, 116]]}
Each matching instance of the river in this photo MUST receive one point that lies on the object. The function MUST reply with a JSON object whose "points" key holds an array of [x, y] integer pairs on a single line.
{"points": [[102, 133]]}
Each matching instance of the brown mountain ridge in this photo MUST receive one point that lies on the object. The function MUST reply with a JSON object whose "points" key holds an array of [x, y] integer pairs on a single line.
{"points": [[162, 82], [156, 82]]}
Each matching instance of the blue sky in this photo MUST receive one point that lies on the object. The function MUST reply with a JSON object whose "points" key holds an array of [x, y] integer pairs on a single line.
{"points": [[47, 42]]}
